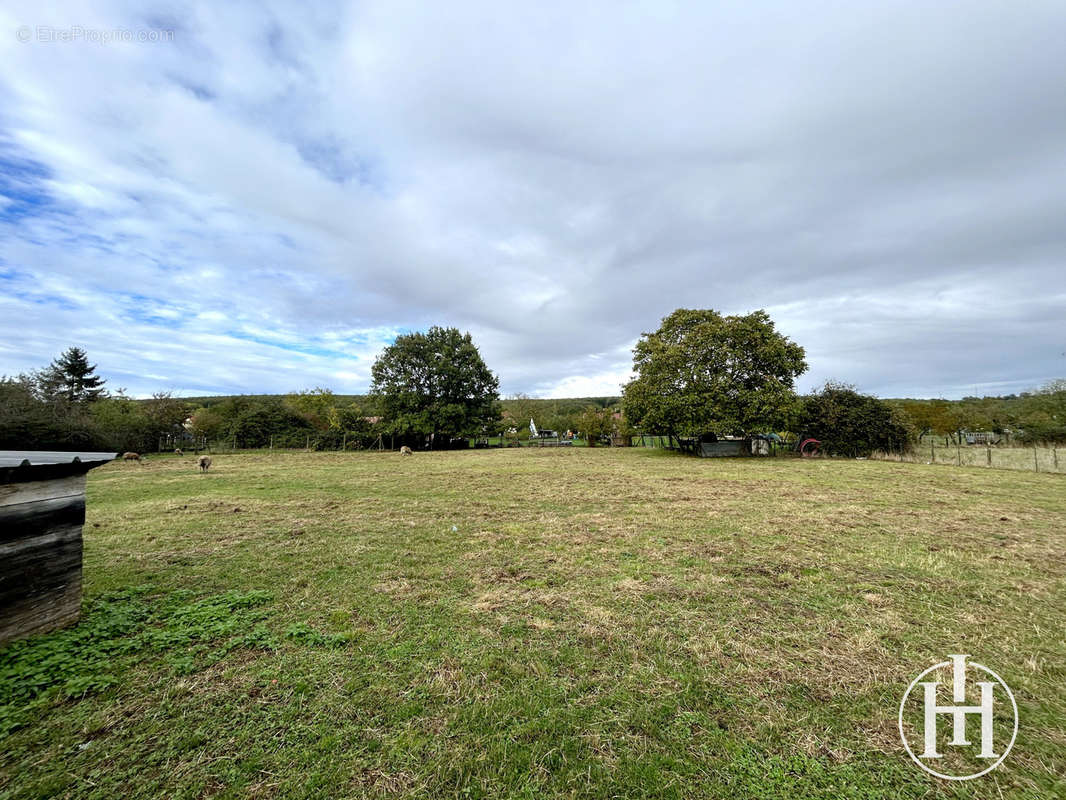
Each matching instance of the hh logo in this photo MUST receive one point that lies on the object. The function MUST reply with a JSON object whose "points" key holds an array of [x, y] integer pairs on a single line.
{"points": [[935, 715]]}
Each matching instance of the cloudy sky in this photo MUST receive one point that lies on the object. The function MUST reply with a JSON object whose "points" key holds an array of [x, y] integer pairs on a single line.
{"points": [[258, 198]]}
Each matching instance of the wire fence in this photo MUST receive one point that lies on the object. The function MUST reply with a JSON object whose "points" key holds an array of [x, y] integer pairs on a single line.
{"points": [[930, 450], [1031, 459]]}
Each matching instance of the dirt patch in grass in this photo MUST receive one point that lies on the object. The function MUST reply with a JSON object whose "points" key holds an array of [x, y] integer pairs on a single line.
{"points": [[549, 623]]}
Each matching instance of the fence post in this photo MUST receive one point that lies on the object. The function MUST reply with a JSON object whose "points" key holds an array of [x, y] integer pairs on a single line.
{"points": [[271, 441], [308, 445], [932, 451], [958, 452], [344, 441], [989, 448], [1055, 457], [1036, 464]]}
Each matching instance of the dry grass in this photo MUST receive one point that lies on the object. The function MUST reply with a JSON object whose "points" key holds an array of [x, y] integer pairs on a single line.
{"points": [[567, 623]]}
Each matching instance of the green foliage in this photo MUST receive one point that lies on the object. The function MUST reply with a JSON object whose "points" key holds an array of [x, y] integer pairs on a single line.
{"points": [[318, 407], [1043, 434], [122, 423], [31, 420], [595, 423], [1037, 416], [316, 417], [851, 424], [704, 372], [252, 421], [306, 635], [1047, 415], [71, 378], [208, 422], [165, 413], [27, 422], [519, 409], [116, 630], [436, 383]]}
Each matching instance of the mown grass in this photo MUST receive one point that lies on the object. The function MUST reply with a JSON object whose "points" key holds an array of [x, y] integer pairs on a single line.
{"points": [[537, 623]]}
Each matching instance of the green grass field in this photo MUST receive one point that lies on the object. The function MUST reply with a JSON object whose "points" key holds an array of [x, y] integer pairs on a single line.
{"points": [[537, 623]]}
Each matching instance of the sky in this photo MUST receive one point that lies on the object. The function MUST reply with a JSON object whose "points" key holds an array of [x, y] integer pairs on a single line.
{"points": [[259, 197]]}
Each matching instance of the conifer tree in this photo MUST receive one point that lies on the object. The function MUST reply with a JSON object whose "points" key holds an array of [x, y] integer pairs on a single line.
{"points": [[72, 378]]}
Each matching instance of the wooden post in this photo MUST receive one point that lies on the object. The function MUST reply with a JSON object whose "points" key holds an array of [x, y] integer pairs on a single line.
{"points": [[1055, 457], [932, 450], [989, 448], [344, 441], [271, 441], [1036, 464], [307, 445]]}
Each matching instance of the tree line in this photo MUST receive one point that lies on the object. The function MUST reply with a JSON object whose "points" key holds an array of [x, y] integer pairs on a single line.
{"points": [[700, 373]]}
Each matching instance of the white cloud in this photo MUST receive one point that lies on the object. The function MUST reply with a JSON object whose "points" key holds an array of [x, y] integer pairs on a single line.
{"points": [[262, 202]]}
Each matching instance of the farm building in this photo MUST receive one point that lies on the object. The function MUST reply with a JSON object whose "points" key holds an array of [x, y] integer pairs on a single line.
{"points": [[42, 510], [708, 445]]}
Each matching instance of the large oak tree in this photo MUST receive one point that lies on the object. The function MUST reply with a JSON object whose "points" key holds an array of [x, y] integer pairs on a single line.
{"points": [[704, 372], [436, 383]]}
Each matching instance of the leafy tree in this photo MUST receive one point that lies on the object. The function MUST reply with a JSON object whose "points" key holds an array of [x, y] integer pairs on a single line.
{"points": [[251, 421], [24, 419], [166, 413], [361, 432], [124, 424], [72, 378], [1046, 414], [436, 383], [595, 423], [519, 409], [851, 424], [318, 406], [704, 372], [29, 422], [207, 422]]}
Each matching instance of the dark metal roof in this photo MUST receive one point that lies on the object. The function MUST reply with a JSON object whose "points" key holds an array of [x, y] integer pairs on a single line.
{"points": [[17, 466]]}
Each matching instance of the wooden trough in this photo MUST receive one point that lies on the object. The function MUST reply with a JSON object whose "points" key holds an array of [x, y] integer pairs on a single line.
{"points": [[42, 511]]}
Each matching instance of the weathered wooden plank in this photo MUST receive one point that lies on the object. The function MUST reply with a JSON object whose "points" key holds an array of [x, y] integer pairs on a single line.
{"points": [[39, 565], [27, 520], [33, 491], [42, 613]]}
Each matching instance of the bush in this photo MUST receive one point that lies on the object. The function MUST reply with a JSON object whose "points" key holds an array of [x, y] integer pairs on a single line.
{"points": [[851, 424], [1043, 434]]}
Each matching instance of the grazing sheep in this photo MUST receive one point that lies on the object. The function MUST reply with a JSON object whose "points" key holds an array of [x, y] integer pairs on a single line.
{"points": [[131, 456], [406, 451], [204, 463], [177, 451]]}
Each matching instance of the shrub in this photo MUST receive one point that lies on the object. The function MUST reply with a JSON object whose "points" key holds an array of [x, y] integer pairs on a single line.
{"points": [[851, 424]]}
